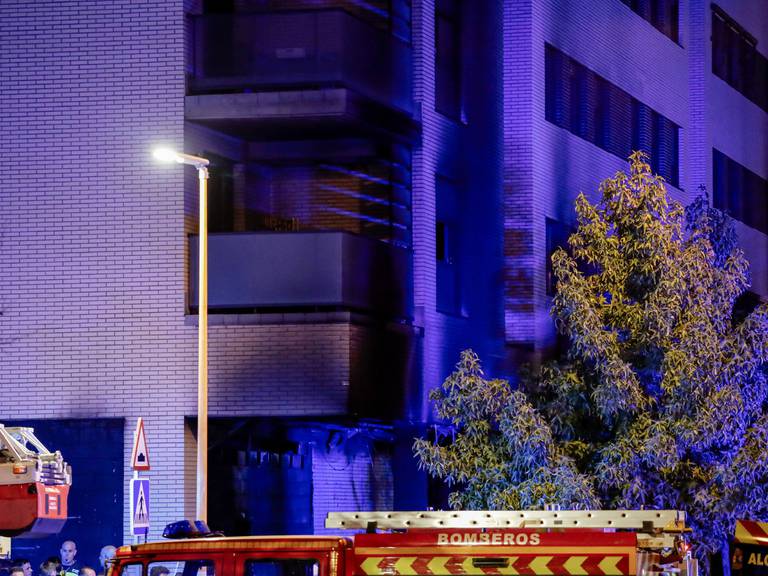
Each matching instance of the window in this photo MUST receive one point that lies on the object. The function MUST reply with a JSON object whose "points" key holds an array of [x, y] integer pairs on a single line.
{"points": [[447, 247], [441, 242], [557, 234], [592, 108], [181, 568], [400, 19], [131, 570], [282, 567], [662, 14], [557, 237], [221, 194], [739, 192], [735, 58], [448, 58]]}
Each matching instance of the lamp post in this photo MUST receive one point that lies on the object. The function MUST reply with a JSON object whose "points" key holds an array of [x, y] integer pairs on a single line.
{"points": [[201, 164]]}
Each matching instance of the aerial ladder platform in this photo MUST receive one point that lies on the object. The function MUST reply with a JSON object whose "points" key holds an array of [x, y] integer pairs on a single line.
{"points": [[34, 485]]}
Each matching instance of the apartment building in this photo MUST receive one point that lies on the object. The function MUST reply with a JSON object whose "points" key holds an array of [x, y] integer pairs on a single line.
{"points": [[387, 181]]}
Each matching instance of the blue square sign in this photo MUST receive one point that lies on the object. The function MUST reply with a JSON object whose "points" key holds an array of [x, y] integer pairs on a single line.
{"points": [[140, 506]]}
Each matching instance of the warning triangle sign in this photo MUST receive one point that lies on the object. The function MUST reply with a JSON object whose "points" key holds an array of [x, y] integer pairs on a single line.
{"points": [[140, 454]]}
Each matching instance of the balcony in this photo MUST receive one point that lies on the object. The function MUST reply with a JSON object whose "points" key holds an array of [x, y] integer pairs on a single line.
{"points": [[280, 67], [250, 272]]}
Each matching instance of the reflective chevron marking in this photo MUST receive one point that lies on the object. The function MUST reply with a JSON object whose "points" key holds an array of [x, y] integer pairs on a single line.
{"points": [[437, 564], [573, 565], [470, 568], [609, 565], [510, 570], [370, 565], [539, 565], [404, 566], [526, 565]]}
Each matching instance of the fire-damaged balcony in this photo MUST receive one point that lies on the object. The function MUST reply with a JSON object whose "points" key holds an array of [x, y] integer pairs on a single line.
{"points": [[295, 73], [304, 271]]}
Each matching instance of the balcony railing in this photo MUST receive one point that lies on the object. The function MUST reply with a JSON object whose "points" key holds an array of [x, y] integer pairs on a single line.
{"points": [[296, 50], [261, 271]]}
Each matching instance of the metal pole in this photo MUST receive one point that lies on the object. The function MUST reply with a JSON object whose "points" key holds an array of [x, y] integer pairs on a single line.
{"points": [[202, 351]]}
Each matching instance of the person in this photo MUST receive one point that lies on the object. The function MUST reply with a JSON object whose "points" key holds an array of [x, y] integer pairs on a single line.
{"points": [[106, 554], [737, 562], [159, 571], [24, 564], [87, 571], [51, 567], [16, 571], [68, 552]]}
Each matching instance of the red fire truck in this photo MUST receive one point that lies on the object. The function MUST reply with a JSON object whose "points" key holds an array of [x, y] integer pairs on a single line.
{"points": [[525, 543], [749, 549], [34, 485]]}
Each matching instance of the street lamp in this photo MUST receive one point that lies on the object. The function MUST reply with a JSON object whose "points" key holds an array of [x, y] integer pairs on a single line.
{"points": [[201, 164]]}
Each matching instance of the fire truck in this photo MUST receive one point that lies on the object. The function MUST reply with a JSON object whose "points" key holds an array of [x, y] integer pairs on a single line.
{"points": [[749, 549], [524, 543], [34, 485]]}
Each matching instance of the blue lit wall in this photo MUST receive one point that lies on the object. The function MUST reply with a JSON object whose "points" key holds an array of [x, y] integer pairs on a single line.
{"points": [[452, 162]]}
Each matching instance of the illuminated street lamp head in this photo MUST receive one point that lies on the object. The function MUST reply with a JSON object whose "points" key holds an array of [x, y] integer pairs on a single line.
{"points": [[168, 155]]}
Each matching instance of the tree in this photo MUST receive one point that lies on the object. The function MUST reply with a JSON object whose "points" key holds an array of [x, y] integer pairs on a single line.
{"points": [[503, 454], [661, 399]]}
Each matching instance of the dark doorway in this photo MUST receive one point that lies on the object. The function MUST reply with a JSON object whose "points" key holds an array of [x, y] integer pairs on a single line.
{"points": [[260, 477]]}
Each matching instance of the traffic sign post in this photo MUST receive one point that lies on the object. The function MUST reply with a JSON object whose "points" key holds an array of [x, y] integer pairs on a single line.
{"points": [[140, 454], [140, 506], [140, 486]]}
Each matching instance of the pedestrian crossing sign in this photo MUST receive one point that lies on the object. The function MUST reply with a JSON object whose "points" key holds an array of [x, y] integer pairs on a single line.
{"points": [[140, 506]]}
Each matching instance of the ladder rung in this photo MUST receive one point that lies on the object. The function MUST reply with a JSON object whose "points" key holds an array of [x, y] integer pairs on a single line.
{"points": [[669, 520]]}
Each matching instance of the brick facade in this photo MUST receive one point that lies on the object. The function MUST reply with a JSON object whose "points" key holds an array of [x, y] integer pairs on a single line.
{"points": [[94, 309]]}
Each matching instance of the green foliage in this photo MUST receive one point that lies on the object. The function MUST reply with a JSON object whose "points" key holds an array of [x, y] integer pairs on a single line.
{"points": [[661, 400], [503, 455]]}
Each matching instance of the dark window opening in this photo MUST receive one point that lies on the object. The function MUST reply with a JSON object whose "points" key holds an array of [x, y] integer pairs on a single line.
{"points": [[592, 108], [557, 234], [440, 241], [735, 58], [662, 14], [221, 194], [447, 240], [181, 568], [739, 192], [282, 567], [448, 58]]}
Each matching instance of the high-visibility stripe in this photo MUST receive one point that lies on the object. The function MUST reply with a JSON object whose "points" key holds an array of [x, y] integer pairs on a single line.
{"points": [[539, 565], [370, 566], [592, 564], [495, 551], [437, 564], [469, 566], [404, 566], [525, 565], [510, 569], [609, 565], [750, 532], [574, 566], [557, 564]]}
